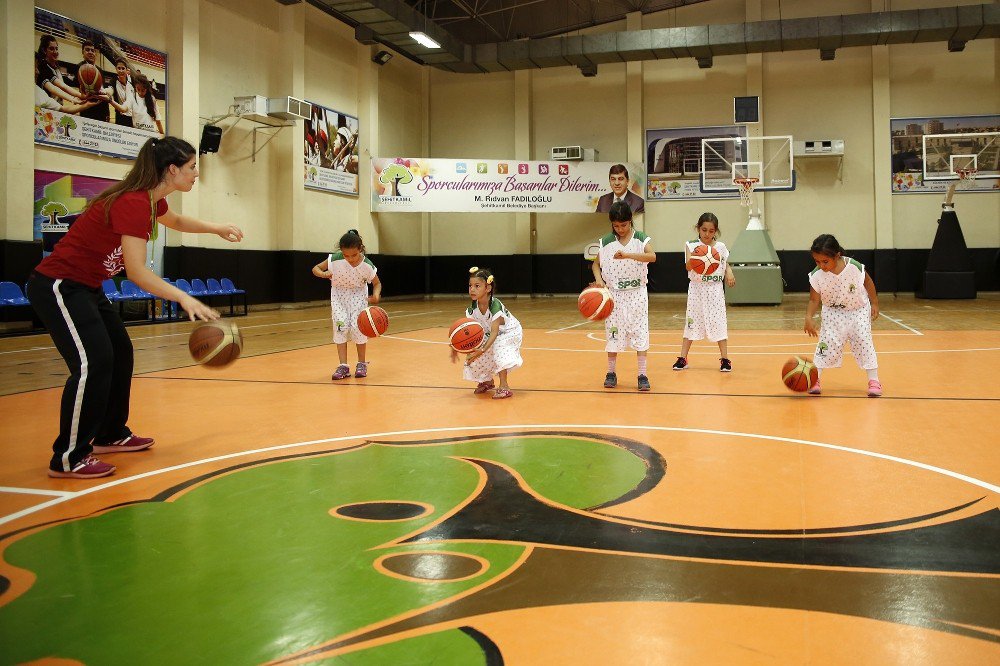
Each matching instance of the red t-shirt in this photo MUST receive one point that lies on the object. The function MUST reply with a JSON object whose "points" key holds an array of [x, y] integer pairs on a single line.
{"points": [[91, 251]]}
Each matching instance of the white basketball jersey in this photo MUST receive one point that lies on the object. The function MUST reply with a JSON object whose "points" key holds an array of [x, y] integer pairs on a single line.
{"points": [[349, 277], [845, 291], [622, 274]]}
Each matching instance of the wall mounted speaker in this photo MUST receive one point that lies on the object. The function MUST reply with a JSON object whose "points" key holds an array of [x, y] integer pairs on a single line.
{"points": [[211, 137]]}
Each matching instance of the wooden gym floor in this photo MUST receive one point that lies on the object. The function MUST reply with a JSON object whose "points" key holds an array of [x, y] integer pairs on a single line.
{"points": [[400, 519]]}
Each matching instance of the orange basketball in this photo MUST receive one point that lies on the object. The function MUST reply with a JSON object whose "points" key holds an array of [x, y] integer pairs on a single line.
{"points": [[799, 374], [215, 344], [595, 303], [373, 321], [705, 259], [466, 335], [89, 79]]}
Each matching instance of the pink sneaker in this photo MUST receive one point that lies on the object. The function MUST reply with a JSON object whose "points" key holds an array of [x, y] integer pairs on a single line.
{"points": [[130, 443], [815, 390], [342, 372], [502, 393], [483, 387], [874, 389], [88, 468]]}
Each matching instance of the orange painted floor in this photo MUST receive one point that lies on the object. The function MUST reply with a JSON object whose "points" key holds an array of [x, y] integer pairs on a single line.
{"points": [[744, 458]]}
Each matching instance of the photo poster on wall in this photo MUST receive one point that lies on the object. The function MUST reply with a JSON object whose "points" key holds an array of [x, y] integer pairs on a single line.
{"points": [[472, 185], [673, 161], [94, 91], [331, 151], [907, 146], [60, 198]]}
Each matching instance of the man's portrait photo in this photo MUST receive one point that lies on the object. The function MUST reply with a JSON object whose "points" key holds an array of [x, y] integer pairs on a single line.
{"points": [[618, 175]]}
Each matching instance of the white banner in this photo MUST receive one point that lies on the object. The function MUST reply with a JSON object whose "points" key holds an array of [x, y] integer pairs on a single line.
{"points": [[496, 186], [66, 130]]}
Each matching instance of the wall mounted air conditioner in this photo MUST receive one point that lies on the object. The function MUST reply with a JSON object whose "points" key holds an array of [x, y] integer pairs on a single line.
{"points": [[274, 111], [818, 147], [573, 153]]}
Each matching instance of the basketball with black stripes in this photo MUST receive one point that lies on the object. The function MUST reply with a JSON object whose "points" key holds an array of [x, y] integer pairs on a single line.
{"points": [[799, 375], [466, 335], [215, 344], [373, 321]]}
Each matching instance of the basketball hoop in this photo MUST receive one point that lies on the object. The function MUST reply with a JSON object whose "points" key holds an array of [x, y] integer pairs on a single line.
{"points": [[746, 186], [966, 177]]}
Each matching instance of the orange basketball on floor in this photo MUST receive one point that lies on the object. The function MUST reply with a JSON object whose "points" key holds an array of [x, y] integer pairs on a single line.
{"points": [[595, 303], [799, 374], [466, 335], [215, 344], [705, 260], [89, 79], [373, 321]]}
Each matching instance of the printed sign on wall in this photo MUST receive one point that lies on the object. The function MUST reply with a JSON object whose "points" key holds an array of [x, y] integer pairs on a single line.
{"points": [[93, 91], [673, 161], [331, 151], [495, 186], [59, 200], [909, 146]]}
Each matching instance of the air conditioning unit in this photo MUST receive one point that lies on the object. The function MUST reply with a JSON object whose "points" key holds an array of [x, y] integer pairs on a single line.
{"points": [[818, 147], [572, 153], [274, 111]]}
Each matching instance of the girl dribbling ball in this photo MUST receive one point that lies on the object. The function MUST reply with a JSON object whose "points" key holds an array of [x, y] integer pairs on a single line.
{"points": [[850, 305], [706, 304], [350, 272], [502, 350]]}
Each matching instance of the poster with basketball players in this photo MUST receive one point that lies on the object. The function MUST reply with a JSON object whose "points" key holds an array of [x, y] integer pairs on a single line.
{"points": [[94, 91], [927, 153], [673, 161], [59, 199], [331, 151]]}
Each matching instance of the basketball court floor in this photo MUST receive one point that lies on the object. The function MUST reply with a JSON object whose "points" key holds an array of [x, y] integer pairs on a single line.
{"points": [[285, 518]]}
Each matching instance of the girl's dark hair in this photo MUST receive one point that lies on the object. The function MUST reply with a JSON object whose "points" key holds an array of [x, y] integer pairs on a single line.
{"points": [[151, 164], [148, 98], [709, 217], [486, 275], [43, 45], [620, 212], [352, 240], [827, 245]]}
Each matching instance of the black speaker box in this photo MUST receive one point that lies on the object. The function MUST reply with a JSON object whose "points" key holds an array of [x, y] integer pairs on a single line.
{"points": [[211, 137]]}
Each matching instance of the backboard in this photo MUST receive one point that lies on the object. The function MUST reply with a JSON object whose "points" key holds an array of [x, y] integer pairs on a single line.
{"points": [[769, 159], [944, 155]]}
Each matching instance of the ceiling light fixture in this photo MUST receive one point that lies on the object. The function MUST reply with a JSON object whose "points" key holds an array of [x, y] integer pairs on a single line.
{"points": [[425, 40]]}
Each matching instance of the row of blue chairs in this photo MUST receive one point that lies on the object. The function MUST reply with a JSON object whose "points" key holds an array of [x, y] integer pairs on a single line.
{"points": [[130, 291]]}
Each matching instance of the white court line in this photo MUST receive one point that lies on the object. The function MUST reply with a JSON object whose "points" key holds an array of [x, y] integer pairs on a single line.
{"points": [[183, 321], [535, 426], [899, 323], [566, 328], [34, 491]]}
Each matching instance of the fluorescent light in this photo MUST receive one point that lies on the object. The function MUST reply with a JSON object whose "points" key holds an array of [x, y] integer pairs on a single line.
{"points": [[425, 40]]}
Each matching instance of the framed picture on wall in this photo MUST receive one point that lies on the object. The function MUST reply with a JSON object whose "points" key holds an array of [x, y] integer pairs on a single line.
{"points": [[94, 91], [673, 161], [937, 145], [331, 151]]}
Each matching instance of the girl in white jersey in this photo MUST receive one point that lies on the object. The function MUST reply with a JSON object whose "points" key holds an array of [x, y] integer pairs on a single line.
{"points": [[349, 272], [622, 265], [706, 305], [850, 305], [502, 350]]}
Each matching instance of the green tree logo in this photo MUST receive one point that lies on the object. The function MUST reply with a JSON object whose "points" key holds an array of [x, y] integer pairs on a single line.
{"points": [[67, 123], [393, 175], [53, 210]]}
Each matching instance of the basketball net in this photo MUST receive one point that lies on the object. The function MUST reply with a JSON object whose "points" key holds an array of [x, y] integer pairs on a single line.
{"points": [[966, 178], [746, 186]]}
